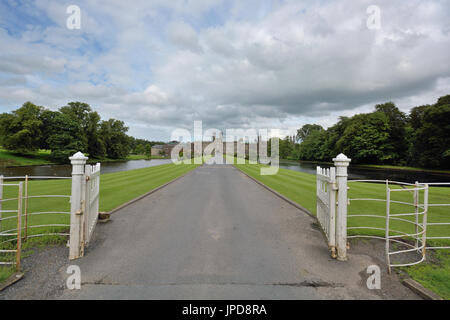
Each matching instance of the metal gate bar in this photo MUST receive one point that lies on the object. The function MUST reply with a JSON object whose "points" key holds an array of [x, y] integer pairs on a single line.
{"points": [[17, 234]]}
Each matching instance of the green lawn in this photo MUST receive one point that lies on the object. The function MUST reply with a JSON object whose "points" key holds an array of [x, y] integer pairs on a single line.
{"points": [[8, 158], [143, 157], [403, 168], [301, 188], [375, 166], [115, 189], [42, 157]]}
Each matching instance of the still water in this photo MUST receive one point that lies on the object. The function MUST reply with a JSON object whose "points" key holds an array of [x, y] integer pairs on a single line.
{"points": [[308, 167], [65, 170], [358, 173]]}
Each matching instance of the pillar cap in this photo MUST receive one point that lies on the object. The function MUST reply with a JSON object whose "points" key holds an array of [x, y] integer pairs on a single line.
{"points": [[78, 156], [342, 158]]}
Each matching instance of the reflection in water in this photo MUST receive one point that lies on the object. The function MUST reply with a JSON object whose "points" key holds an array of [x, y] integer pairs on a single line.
{"points": [[356, 173], [65, 170]]}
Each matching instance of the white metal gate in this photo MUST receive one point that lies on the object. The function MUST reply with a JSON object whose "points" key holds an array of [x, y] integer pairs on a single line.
{"points": [[92, 190], [405, 242], [7, 234], [326, 204], [433, 225], [418, 220], [84, 204]]}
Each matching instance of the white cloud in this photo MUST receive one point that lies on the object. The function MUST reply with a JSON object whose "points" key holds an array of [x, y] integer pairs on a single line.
{"points": [[160, 64], [21, 64], [184, 36]]}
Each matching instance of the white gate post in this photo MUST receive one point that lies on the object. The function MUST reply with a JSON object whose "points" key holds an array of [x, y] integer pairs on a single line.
{"points": [[78, 161], [341, 163]]}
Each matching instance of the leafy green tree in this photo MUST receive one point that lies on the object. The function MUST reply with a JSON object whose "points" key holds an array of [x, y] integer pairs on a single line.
{"points": [[397, 123], [431, 124], [366, 139], [63, 140], [139, 149], [385, 136], [117, 143], [96, 145], [89, 122], [309, 149], [5, 122], [22, 129], [306, 130], [285, 148], [148, 152], [48, 119]]}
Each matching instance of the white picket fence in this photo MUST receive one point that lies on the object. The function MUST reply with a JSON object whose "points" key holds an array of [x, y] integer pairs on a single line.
{"points": [[332, 205], [326, 204]]}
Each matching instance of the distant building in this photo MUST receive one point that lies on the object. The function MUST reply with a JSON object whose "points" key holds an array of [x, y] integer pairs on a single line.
{"points": [[157, 150], [163, 149]]}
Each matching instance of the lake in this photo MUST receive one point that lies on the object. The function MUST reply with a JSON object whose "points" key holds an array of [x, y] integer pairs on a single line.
{"points": [[66, 169], [358, 173], [308, 167]]}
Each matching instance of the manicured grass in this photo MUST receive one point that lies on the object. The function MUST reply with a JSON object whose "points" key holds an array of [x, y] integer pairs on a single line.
{"points": [[435, 274], [120, 187], [301, 188], [115, 189], [403, 168], [5, 273], [8, 158], [42, 157], [138, 157], [143, 157], [375, 166]]}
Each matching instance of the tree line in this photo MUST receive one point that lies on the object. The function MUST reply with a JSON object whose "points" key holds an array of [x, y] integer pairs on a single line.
{"points": [[384, 136], [75, 127]]}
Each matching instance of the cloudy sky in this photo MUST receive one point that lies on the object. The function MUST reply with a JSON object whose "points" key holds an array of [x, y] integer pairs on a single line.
{"points": [[161, 64]]}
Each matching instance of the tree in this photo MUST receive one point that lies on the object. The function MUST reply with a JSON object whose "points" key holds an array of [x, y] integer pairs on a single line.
{"points": [[89, 122], [96, 146], [285, 147], [366, 139], [22, 129], [306, 130], [385, 136], [309, 149], [5, 122], [63, 140], [431, 142], [397, 122], [148, 152], [117, 143], [48, 119]]}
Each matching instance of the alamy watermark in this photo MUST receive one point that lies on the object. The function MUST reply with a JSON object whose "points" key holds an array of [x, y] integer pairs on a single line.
{"points": [[73, 282], [238, 145], [374, 280], [374, 20], [73, 22]]}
